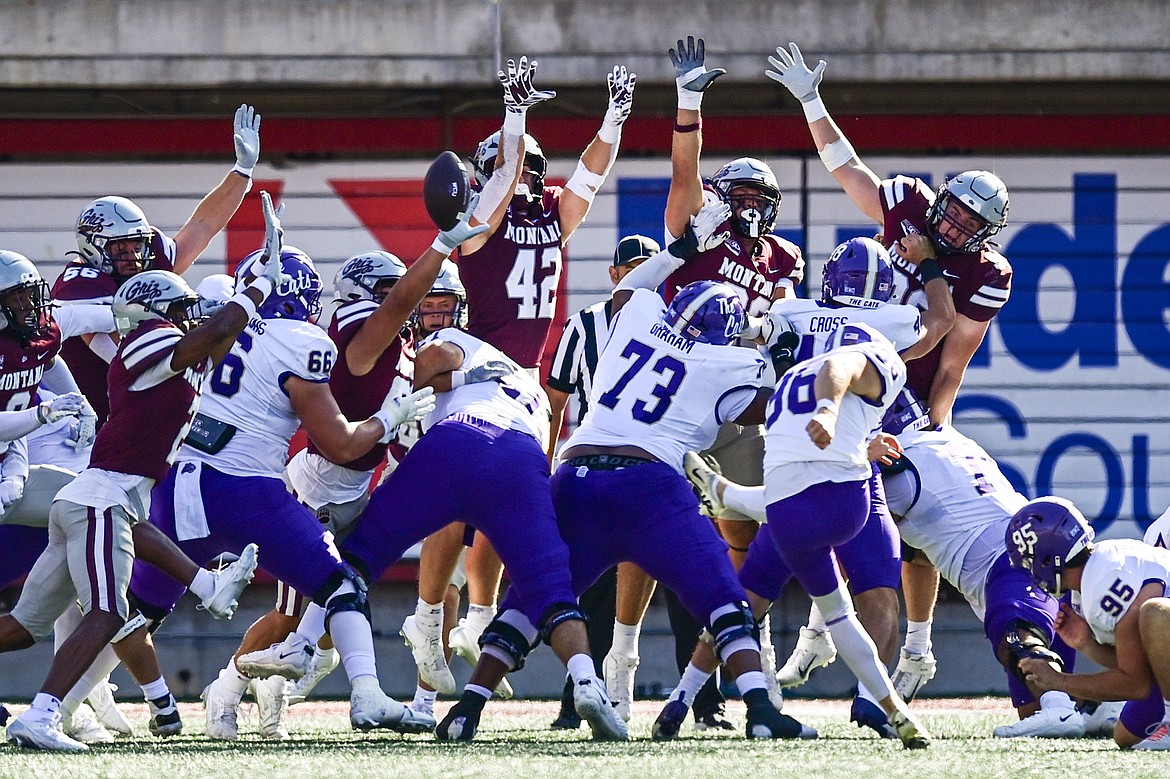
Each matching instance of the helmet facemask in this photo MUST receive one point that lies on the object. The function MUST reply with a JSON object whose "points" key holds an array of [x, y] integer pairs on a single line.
{"points": [[25, 308]]}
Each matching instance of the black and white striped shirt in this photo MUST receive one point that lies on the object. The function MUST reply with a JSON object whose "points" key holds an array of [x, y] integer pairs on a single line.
{"points": [[585, 335]]}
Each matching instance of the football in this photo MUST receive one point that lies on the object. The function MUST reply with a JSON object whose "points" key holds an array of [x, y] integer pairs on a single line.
{"points": [[446, 190]]}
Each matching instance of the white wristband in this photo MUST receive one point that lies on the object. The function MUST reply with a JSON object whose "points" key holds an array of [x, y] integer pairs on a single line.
{"points": [[244, 302], [458, 379], [441, 247], [245, 172], [610, 133], [514, 121], [814, 109], [689, 100], [836, 154], [827, 403]]}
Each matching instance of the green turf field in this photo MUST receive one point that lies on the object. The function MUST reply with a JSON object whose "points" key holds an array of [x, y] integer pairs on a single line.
{"points": [[515, 742]]}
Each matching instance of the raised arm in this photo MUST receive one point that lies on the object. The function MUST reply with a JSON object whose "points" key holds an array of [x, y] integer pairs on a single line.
{"points": [[692, 79]]}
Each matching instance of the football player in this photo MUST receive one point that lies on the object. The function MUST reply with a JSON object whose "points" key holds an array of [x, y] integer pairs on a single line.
{"points": [[954, 226], [1120, 615], [115, 241], [156, 379]]}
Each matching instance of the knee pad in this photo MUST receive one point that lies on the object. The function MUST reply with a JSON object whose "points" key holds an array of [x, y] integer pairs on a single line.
{"points": [[348, 601], [347, 573], [154, 616], [508, 638], [137, 620], [557, 614], [1020, 641], [731, 622]]}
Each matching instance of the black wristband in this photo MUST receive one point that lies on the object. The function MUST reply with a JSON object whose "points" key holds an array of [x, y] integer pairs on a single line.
{"points": [[929, 270], [686, 245], [688, 128]]}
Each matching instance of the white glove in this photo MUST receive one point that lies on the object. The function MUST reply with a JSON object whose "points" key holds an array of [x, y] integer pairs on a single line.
{"points": [[519, 94], [713, 214], [490, 370], [462, 229], [621, 96], [83, 431], [773, 325], [271, 267], [396, 411], [791, 71], [68, 405], [247, 139], [692, 78], [11, 490]]}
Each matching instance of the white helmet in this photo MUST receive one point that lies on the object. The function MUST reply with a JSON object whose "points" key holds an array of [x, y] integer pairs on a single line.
{"points": [[483, 162], [108, 219], [18, 273], [447, 283], [151, 295], [983, 194], [750, 172], [360, 275]]}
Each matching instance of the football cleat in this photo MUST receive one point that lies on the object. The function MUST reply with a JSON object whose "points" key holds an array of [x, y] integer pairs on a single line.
{"points": [[416, 721], [101, 698], [427, 648], [593, 706], [230, 583], [768, 664], [82, 725], [221, 709], [42, 734], [814, 649], [271, 696], [370, 708], [911, 732], [1046, 723], [464, 641], [1158, 740], [912, 673], [712, 721], [703, 478], [766, 722], [322, 664], [1101, 718], [619, 673], [462, 720], [164, 717], [868, 714], [670, 720], [290, 659]]}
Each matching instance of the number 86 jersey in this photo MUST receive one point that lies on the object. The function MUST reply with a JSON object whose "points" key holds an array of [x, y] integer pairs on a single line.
{"points": [[1114, 574], [247, 392], [662, 392]]}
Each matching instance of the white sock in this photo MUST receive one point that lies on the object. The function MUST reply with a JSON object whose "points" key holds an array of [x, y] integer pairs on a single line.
{"points": [[99, 672], [748, 501], [580, 667], [917, 637], [312, 625], [750, 680], [43, 707], [483, 692], [156, 689], [355, 643], [234, 681], [625, 638], [424, 700], [479, 617], [853, 643], [65, 625], [692, 681], [203, 585], [815, 620], [1166, 706], [865, 693], [429, 616], [1054, 699]]}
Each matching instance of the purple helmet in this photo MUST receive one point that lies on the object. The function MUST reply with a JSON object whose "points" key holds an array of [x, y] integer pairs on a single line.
{"points": [[907, 412], [707, 311], [859, 274], [1043, 536], [297, 298]]}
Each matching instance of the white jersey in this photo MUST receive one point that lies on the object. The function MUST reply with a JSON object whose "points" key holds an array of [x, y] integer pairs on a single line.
{"points": [[1114, 574], [515, 402], [247, 392], [662, 392], [955, 505], [1158, 533], [792, 462], [814, 322]]}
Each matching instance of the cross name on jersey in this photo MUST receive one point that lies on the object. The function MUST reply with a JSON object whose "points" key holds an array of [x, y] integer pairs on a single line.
{"points": [[18, 379], [745, 277], [544, 235], [826, 324]]}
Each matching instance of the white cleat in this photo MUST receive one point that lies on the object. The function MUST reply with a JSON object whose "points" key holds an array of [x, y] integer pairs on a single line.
{"points": [[101, 698], [370, 708], [912, 673], [1046, 723], [222, 708], [290, 659], [82, 725], [619, 673], [230, 583], [910, 731], [417, 721], [593, 706], [322, 664], [814, 649], [427, 648], [42, 734], [1158, 740], [1103, 719], [271, 696], [465, 642], [768, 665], [703, 479]]}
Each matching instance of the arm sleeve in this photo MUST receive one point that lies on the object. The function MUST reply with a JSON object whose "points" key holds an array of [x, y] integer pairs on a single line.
{"points": [[82, 318], [16, 460], [499, 187], [17, 424], [651, 273], [58, 379], [103, 346]]}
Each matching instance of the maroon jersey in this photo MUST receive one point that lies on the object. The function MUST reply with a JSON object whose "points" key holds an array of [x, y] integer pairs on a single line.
{"points": [[22, 365], [754, 275], [359, 397], [82, 283], [512, 280], [980, 282], [149, 416]]}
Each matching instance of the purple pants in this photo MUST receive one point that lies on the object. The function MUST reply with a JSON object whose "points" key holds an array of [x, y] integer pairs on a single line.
{"points": [[294, 545], [21, 547], [1011, 594], [645, 514], [495, 480], [807, 526], [1140, 716]]}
